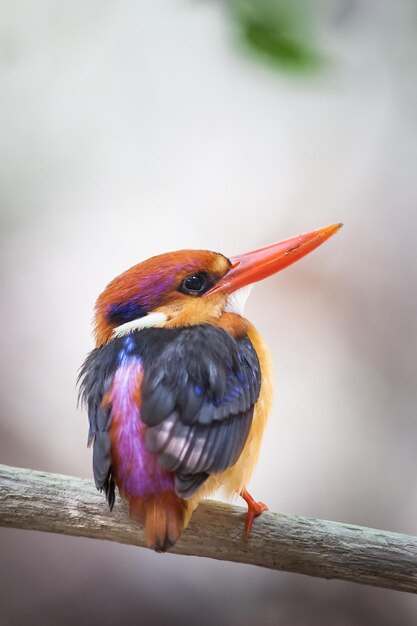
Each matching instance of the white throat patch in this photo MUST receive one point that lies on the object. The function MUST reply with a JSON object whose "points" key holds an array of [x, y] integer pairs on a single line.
{"points": [[142, 322], [237, 300]]}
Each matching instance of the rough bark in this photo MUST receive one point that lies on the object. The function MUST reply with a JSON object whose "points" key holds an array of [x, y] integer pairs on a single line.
{"points": [[72, 506]]}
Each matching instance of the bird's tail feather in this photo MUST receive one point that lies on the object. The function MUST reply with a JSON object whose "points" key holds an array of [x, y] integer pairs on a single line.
{"points": [[163, 516]]}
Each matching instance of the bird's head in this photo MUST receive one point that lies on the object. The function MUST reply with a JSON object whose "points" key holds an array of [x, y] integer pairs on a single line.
{"points": [[190, 287]]}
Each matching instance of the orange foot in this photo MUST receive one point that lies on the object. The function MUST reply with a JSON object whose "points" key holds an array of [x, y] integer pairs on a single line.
{"points": [[254, 509]]}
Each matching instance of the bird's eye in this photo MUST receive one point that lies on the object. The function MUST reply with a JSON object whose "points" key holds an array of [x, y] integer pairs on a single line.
{"points": [[196, 284]]}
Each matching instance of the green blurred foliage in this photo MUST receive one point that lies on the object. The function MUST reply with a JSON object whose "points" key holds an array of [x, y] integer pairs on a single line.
{"points": [[279, 32]]}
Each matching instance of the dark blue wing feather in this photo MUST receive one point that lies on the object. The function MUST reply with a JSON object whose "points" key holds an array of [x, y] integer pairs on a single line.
{"points": [[95, 379], [198, 396]]}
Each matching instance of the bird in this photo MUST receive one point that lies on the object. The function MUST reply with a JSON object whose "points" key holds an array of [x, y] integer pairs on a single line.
{"points": [[179, 385]]}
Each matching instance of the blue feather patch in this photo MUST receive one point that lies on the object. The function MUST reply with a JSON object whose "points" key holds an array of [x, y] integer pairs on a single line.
{"points": [[125, 312]]}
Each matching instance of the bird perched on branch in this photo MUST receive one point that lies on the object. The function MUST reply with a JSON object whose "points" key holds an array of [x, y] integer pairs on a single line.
{"points": [[179, 387]]}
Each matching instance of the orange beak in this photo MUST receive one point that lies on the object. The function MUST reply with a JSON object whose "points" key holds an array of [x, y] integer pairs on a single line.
{"points": [[253, 266]]}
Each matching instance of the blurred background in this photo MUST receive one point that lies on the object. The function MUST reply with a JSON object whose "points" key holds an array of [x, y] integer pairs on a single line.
{"points": [[133, 128]]}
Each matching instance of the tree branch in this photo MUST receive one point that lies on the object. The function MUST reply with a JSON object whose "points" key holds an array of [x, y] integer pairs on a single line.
{"points": [[72, 506]]}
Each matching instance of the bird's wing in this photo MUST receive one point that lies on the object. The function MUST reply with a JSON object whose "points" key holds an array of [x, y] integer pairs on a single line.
{"points": [[198, 394], [95, 380], [199, 389]]}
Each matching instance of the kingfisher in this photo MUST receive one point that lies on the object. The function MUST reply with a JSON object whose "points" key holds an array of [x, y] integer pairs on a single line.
{"points": [[179, 385]]}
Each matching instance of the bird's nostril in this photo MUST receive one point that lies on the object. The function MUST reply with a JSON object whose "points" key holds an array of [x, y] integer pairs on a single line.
{"points": [[291, 250]]}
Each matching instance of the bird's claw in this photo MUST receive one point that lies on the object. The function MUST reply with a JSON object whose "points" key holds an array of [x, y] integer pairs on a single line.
{"points": [[254, 509]]}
